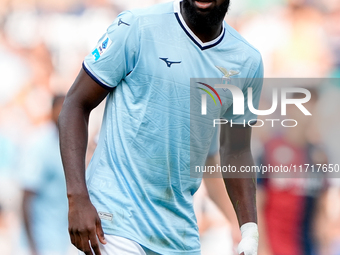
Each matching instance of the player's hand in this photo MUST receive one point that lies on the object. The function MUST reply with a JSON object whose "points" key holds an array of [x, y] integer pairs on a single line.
{"points": [[84, 225], [250, 239]]}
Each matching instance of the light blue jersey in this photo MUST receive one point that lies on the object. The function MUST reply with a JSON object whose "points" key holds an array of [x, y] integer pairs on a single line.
{"points": [[215, 142], [139, 176]]}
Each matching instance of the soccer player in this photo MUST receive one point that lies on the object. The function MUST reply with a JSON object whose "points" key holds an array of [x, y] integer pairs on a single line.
{"points": [[138, 187]]}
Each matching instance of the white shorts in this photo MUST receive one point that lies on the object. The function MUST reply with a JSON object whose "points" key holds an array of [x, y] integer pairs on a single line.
{"points": [[117, 245]]}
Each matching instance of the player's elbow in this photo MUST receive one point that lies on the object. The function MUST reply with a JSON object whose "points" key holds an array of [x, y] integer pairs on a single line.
{"points": [[72, 111]]}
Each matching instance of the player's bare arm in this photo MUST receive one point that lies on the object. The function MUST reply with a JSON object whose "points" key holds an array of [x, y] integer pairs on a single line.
{"points": [[84, 223], [235, 150]]}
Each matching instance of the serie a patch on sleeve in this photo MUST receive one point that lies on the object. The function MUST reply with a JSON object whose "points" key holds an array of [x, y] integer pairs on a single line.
{"points": [[102, 46]]}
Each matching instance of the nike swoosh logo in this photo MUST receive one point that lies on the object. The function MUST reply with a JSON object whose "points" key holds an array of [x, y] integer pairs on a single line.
{"points": [[122, 22], [169, 63]]}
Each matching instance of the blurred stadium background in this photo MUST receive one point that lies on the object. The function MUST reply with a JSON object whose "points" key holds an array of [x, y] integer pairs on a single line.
{"points": [[43, 43]]}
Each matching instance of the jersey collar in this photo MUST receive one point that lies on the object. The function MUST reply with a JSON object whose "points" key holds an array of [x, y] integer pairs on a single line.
{"points": [[192, 36]]}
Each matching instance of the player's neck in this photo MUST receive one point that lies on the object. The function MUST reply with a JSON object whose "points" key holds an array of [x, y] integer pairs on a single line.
{"points": [[205, 34]]}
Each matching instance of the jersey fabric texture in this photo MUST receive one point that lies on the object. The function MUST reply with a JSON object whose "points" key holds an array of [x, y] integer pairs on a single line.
{"points": [[215, 142], [139, 177]]}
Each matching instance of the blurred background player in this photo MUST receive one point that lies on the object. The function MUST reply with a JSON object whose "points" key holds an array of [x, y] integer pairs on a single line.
{"points": [[288, 207], [44, 203], [8, 193]]}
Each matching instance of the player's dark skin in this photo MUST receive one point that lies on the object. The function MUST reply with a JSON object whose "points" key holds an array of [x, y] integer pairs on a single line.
{"points": [[84, 95], [204, 33]]}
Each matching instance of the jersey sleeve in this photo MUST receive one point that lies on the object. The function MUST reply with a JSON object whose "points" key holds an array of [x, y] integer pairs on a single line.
{"points": [[255, 83], [215, 142], [116, 53]]}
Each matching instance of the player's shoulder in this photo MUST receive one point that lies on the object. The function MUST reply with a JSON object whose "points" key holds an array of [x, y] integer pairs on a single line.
{"points": [[242, 42], [148, 13]]}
